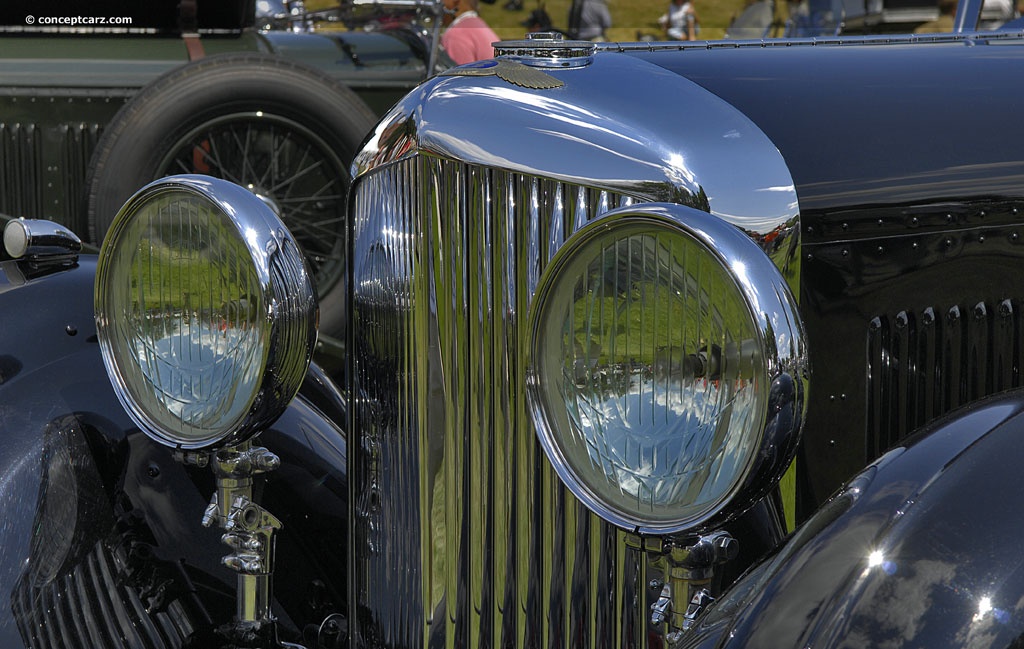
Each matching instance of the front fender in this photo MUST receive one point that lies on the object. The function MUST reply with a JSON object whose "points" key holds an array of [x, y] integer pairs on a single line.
{"points": [[921, 549], [101, 542]]}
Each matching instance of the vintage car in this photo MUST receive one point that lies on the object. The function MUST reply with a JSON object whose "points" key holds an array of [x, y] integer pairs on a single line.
{"points": [[647, 345], [94, 106]]}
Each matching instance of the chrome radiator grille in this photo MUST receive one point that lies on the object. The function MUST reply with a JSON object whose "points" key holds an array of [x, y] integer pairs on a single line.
{"points": [[464, 536], [94, 606]]}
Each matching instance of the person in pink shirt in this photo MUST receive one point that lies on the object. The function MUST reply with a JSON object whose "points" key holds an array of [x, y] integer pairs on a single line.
{"points": [[467, 37]]}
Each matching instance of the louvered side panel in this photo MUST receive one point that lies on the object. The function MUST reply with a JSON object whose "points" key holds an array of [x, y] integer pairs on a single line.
{"points": [[21, 159], [77, 144], [923, 363], [43, 170]]}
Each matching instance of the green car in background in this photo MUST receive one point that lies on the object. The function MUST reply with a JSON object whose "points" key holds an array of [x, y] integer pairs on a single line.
{"points": [[97, 100]]}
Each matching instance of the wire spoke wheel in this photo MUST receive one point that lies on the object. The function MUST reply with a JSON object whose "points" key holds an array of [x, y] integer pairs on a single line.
{"points": [[289, 167]]}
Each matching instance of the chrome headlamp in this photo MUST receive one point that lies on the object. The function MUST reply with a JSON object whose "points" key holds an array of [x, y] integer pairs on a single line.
{"points": [[665, 377], [205, 312]]}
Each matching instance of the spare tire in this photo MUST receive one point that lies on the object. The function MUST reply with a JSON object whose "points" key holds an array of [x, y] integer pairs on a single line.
{"points": [[285, 131]]}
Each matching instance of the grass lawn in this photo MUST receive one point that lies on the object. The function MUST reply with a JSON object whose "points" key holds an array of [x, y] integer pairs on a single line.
{"points": [[629, 17]]}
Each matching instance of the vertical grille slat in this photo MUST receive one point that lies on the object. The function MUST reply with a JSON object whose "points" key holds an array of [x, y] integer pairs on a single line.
{"points": [[94, 605], [928, 375], [465, 535], [64, 627], [1003, 344], [952, 350], [980, 380], [80, 623], [905, 364]]}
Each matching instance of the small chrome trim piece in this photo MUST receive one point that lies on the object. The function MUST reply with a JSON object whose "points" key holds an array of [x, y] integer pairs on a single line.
{"points": [[249, 529], [689, 571], [39, 240], [509, 69]]}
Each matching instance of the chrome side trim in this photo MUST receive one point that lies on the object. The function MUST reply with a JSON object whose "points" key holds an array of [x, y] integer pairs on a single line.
{"points": [[968, 38]]}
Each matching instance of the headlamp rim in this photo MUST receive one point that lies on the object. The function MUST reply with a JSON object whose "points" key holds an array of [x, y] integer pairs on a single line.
{"points": [[769, 303], [255, 224]]}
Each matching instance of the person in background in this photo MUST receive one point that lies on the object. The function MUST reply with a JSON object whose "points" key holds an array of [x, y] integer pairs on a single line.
{"points": [[466, 37], [589, 20], [681, 22]]}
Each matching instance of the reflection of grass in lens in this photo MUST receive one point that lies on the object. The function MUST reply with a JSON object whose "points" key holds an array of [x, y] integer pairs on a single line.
{"points": [[652, 301], [188, 262], [181, 279]]}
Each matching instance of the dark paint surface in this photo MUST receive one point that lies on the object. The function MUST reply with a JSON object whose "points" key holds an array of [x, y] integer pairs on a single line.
{"points": [[877, 124], [920, 550]]}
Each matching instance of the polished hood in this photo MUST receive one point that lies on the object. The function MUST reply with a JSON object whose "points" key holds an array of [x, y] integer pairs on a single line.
{"points": [[612, 122], [873, 120]]}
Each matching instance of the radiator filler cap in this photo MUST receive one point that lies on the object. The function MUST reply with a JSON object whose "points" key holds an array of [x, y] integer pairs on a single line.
{"points": [[547, 50]]}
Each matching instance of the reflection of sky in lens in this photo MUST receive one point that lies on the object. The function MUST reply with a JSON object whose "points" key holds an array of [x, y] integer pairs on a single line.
{"points": [[201, 375], [677, 451]]}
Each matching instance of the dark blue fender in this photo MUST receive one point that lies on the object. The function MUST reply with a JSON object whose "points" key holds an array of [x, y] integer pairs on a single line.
{"points": [[921, 549], [101, 542]]}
